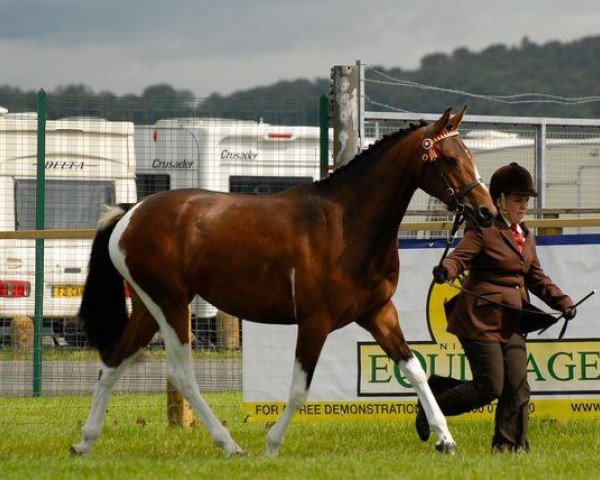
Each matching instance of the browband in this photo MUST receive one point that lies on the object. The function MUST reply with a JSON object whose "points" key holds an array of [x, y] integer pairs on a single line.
{"points": [[429, 145]]}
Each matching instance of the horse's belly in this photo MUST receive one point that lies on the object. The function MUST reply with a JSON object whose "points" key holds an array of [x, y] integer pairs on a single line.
{"points": [[264, 302]]}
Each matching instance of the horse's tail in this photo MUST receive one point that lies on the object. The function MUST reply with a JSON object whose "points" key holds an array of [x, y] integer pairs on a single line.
{"points": [[103, 311]]}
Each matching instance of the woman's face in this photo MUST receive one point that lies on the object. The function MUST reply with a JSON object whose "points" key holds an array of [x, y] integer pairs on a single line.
{"points": [[516, 207]]}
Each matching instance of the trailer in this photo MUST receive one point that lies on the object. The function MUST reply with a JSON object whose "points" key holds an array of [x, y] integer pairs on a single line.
{"points": [[224, 155], [88, 162]]}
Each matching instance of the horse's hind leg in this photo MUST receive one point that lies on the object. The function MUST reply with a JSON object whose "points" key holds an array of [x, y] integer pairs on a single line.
{"points": [[93, 426], [384, 327], [138, 332], [309, 344], [180, 371]]}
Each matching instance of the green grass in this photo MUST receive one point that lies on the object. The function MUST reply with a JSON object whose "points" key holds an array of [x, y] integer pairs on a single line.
{"points": [[136, 443]]}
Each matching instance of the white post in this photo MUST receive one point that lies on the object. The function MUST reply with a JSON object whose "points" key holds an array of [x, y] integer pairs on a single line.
{"points": [[345, 113]]}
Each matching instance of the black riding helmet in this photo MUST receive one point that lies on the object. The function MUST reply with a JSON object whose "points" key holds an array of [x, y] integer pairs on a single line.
{"points": [[512, 178]]}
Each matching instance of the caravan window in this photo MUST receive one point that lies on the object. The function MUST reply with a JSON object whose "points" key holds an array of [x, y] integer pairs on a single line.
{"points": [[264, 185], [69, 204], [147, 184]]}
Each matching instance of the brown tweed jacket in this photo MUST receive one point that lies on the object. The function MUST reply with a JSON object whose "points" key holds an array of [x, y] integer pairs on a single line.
{"points": [[499, 272]]}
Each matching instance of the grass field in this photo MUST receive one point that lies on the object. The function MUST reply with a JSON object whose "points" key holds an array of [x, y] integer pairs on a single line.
{"points": [[136, 444]]}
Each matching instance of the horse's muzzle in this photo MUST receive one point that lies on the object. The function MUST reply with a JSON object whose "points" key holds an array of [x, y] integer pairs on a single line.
{"points": [[479, 216]]}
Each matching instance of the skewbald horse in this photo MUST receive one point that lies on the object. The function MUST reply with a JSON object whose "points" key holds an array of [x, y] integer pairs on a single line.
{"points": [[321, 256]]}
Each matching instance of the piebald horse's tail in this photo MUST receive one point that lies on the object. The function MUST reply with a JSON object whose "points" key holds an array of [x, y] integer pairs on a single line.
{"points": [[103, 310]]}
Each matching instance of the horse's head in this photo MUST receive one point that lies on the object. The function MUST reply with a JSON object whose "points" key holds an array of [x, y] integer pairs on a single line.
{"points": [[450, 173]]}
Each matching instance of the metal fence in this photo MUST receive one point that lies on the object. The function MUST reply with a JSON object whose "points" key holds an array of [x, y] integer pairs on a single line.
{"points": [[563, 156], [56, 171]]}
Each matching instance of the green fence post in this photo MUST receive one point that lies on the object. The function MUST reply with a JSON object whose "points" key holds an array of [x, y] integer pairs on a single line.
{"points": [[324, 134], [39, 244]]}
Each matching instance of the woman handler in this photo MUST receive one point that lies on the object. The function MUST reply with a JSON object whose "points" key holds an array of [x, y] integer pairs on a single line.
{"points": [[502, 262]]}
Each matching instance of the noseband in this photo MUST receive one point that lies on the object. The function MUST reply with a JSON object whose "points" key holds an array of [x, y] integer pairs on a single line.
{"points": [[456, 203]]}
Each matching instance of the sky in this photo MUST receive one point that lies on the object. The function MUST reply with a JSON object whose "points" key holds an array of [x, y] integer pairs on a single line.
{"points": [[222, 46]]}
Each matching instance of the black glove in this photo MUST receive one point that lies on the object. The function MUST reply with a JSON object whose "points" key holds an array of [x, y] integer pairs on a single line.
{"points": [[570, 313], [440, 274]]}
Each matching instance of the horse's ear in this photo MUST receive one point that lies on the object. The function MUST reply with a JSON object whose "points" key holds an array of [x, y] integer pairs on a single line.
{"points": [[456, 119], [438, 127]]}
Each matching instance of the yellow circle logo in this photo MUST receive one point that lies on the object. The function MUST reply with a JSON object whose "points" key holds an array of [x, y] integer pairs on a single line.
{"points": [[438, 295]]}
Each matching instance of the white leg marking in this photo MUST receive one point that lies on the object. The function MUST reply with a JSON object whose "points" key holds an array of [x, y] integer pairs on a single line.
{"points": [[293, 283], [181, 374], [298, 395], [179, 364], [415, 374], [93, 426]]}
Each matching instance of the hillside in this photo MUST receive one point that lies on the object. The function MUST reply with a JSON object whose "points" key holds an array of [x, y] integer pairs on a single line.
{"points": [[567, 69]]}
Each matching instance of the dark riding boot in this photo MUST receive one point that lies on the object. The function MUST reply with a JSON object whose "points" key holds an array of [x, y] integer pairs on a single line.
{"points": [[438, 385]]}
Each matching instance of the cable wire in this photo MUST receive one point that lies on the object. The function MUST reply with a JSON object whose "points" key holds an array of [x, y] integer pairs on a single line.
{"points": [[514, 99]]}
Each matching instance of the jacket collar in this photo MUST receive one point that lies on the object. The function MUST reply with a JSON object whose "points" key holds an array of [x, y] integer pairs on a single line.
{"points": [[502, 224], [506, 233]]}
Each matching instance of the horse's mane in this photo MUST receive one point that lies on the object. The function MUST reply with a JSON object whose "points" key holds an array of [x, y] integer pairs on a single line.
{"points": [[373, 150]]}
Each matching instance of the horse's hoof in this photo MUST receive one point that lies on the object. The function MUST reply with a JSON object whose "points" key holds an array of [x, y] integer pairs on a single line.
{"points": [[231, 448], [272, 449], [77, 450], [236, 453], [271, 452], [448, 448]]}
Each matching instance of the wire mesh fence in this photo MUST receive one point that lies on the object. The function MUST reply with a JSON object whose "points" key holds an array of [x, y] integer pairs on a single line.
{"points": [[96, 155]]}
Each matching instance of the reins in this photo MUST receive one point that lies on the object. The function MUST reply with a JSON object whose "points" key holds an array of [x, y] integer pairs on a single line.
{"points": [[563, 330], [458, 220], [500, 304]]}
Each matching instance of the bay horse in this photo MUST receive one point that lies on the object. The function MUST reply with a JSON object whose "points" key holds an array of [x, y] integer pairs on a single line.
{"points": [[320, 255]]}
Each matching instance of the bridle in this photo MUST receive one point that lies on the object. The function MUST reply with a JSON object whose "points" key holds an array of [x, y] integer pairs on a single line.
{"points": [[456, 203], [431, 155]]}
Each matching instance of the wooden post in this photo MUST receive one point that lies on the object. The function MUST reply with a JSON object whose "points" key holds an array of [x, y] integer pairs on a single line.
{"points": [[228, 331], [179, 411]]}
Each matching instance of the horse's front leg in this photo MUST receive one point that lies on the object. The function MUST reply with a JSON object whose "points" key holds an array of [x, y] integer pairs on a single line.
{"points": [[385, 328], [412, 370], [311, 338]]}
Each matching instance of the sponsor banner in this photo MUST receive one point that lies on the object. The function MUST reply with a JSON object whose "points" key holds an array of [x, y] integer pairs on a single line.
{"points": [[557, 368], [551, 408], [353, 370]]}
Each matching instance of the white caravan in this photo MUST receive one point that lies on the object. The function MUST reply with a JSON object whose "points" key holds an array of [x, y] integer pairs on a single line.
{"points": [[224, 155], [89, 162]]}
